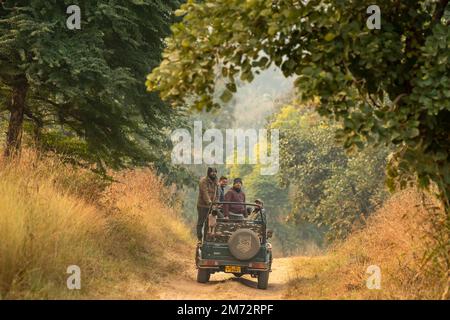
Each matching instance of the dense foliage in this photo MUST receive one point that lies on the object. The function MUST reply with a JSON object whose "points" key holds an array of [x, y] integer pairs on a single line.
{"points": [[321, 192], [387, 86], [335, 191], [82, 91]]}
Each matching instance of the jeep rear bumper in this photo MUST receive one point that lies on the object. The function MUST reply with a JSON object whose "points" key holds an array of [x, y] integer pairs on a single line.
{"points": [[246, 267]]}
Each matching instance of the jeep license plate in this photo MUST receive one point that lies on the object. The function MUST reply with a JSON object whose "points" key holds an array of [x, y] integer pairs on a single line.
{"points": [[233, 269]]}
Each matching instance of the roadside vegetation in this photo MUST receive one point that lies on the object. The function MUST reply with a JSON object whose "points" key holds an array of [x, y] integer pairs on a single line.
{"points": [[397, 240], [53, 216]]}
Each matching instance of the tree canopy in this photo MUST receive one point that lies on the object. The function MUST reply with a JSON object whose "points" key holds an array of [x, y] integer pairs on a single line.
{"points": [[86, 84], [387, 86]]}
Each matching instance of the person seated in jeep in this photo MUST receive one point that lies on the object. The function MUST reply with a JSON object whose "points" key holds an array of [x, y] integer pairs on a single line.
{"points": [[255, 214], [235, 194], [223, 183]]}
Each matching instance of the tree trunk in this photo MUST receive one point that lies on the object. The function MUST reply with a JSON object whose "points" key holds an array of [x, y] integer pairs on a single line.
{"points": [[17, 109]]}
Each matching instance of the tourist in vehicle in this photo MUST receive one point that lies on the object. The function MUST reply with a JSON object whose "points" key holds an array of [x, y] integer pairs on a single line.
{"points": [[207, 194], [223, 183], [235, 194], [255, 214]]}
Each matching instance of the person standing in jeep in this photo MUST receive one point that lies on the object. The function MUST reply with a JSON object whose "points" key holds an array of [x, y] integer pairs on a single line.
{"points": [[235, 194], [207, 193]]}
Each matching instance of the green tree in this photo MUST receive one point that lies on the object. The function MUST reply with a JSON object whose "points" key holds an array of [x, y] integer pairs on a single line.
{"points": [[387, 86], [331, 189], [85, 86]]}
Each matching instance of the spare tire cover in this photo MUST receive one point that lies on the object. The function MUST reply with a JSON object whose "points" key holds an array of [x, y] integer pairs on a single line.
{"points": [[244, 244]]}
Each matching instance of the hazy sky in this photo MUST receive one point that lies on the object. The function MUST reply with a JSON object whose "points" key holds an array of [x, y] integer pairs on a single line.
{"points": [[255, 101]]}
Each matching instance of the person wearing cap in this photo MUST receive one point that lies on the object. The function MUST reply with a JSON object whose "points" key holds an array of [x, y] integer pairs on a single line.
{"points": [[207, 193], [235, 194], [256, 212]]}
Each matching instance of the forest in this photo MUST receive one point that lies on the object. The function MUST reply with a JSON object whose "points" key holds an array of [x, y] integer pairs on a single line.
{"points": [[101, 125]]}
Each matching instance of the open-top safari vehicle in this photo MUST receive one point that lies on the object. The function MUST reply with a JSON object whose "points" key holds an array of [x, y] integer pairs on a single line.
{"points": [[237, 246]]}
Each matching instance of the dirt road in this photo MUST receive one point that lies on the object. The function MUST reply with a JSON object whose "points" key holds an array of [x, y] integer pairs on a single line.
{"points": [[226, 286]]}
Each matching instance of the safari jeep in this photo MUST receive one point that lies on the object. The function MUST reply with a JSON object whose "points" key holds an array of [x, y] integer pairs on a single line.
{"points": [[238, 247]]}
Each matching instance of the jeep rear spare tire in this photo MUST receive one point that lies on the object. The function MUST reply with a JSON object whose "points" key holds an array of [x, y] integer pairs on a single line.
{"points": [[244, 244]]}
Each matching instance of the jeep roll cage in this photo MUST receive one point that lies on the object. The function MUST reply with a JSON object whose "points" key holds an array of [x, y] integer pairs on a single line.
{"points": [[263, 220]]}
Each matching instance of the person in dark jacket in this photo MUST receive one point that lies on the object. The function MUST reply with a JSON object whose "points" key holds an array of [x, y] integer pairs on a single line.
{"points": [[257, 211], [235, 194], [223, 182], [207, 193]]}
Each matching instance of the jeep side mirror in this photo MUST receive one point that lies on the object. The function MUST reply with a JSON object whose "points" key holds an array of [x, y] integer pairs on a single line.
{"points": [[269, 234]]}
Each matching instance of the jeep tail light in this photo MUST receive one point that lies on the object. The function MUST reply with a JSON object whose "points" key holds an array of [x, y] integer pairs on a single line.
{"points": [[257, 265], [210, 263]]}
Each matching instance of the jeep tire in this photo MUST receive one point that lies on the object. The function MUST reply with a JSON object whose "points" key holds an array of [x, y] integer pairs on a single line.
{"points": [[203, 275], [263, 279], [244, 244]]}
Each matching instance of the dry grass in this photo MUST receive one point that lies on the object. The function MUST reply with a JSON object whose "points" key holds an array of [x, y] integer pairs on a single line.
{"points": [[128, 237], [53, 216], [396, 239]]}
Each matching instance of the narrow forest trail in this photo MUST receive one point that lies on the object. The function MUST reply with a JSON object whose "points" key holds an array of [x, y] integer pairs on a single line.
{"points": [[226, 286]]}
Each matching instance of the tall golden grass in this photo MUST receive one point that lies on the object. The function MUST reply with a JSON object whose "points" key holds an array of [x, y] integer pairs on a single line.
{"points": [[53, 216], [398, 238]]}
